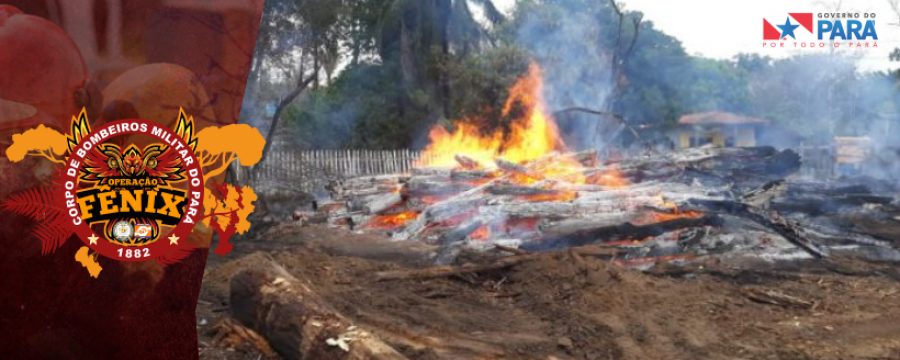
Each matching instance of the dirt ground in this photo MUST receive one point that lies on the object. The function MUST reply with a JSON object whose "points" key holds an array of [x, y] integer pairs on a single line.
{"points": [[563, 306]]}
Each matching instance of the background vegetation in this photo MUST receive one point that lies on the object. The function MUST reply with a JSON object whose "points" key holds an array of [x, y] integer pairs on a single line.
{"points": [[378, 74]]}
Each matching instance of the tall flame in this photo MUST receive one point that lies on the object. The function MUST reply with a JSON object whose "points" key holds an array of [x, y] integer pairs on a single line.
{"points": [[529, 137]]}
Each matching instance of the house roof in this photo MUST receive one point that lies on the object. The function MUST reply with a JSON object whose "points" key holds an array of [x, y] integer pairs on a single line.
{"points": [[718, 118]]}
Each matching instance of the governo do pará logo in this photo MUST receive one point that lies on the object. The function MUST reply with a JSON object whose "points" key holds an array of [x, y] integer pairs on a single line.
{"points": [[819, 30]]}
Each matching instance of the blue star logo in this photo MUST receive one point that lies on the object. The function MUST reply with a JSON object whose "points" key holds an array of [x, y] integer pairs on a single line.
{"points": [[788, 29]]}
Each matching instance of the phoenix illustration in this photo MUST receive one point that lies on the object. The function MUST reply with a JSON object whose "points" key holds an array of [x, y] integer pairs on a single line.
{"points": [[159, 161]]}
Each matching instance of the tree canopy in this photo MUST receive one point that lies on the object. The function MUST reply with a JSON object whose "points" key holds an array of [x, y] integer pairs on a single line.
{"points": [[384, 71]]}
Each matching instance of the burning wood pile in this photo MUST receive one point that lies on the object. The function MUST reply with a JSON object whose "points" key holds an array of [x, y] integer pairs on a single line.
{"points": [[556, 200], [522, 189]]}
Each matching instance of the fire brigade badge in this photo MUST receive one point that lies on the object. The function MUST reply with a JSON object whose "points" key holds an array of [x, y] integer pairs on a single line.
{"points": [[132, 189], [132, 193]]}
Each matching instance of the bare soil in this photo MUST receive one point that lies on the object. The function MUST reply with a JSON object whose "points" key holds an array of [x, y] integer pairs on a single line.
{"points": [[564, 306]]}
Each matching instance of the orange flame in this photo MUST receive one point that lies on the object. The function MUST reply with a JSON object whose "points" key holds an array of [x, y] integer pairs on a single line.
{"points": [[523, 179], [392, 220], [529, 137], [660, 217], [433, 199], [562, 195]]}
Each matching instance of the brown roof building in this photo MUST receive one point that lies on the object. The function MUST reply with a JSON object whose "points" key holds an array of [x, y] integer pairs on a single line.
{"points": [[717, 128]]}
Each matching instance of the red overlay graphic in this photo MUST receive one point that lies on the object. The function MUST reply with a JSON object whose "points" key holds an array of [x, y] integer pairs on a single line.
{"points": [[136, 59]]}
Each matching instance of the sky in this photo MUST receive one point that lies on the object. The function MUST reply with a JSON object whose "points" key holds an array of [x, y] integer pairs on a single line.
{"points": [[723, 28]]}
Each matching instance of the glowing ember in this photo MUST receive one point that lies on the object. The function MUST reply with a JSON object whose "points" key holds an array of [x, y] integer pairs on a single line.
{"points": [[555, 196], [676, 213], [454, 220], [520, 225], [481, 233], [655, 217], [660, 217], [610, 179], [433, 199], [529, 137], [392, 220]]}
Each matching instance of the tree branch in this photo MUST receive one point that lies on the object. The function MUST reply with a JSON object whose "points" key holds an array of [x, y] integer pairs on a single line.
{"points": [[636, 22], [621, 17], [47, 154], [302, 84], [222, 168]]}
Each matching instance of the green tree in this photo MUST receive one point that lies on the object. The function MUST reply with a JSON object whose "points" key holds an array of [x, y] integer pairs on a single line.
{"points": [[300, 39], [401, 72]]}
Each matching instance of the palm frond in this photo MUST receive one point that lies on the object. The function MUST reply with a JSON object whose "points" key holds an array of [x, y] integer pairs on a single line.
{"points": [[41, 205], [37, 204], [52, 235]]}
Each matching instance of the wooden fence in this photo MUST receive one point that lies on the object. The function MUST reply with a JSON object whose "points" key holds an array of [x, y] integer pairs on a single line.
{"points": [[310, 170]]}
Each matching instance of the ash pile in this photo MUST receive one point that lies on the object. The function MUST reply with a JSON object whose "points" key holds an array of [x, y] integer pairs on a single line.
{"points": [[672, 207]]}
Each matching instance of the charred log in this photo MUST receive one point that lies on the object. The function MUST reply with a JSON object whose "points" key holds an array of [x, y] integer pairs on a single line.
{"points": [[295, 320], [768, 219], [624, 231], [466, 162], [472, 175], [518, 190]]}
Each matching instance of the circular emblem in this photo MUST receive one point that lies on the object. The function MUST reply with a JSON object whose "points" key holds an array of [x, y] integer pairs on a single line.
{"points": [[123, 231], [147, 198]]}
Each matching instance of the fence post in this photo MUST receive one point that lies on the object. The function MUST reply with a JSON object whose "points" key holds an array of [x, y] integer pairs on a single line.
{"points": [[393, 161], [347, 163], [355, 162], [393, 155], [291, 163], [367, 164], [407, 161]]}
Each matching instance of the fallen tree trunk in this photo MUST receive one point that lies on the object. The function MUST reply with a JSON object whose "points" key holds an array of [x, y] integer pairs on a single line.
{"points": [[519, 190], [624, 231], [769, 219], [295, 321], [723, 161], [383, 203], [423, 188], [573, 224], [473, 175]]}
